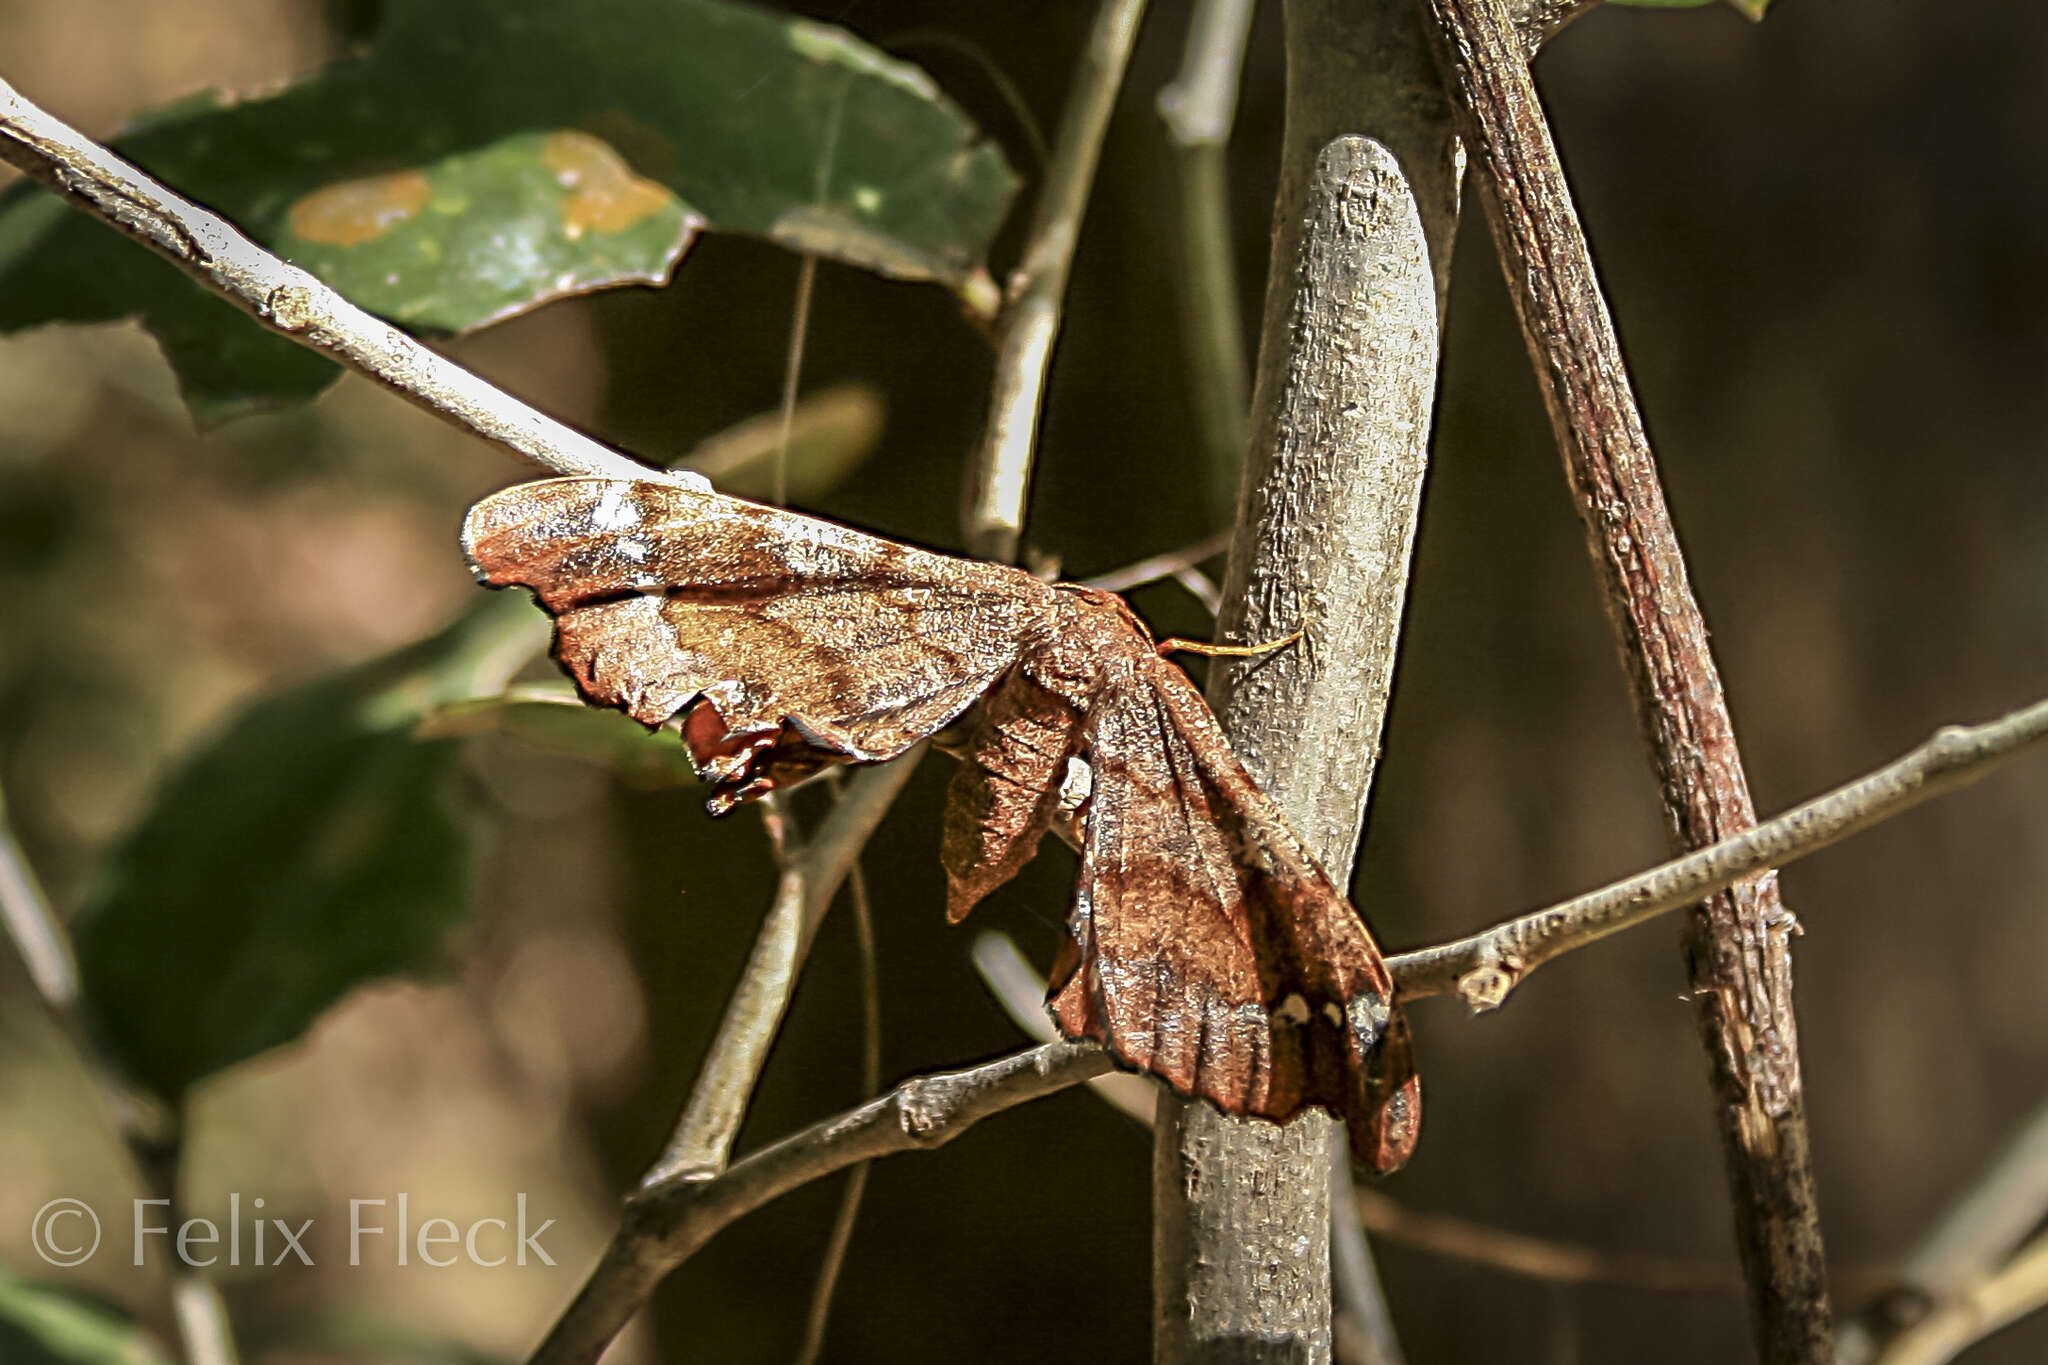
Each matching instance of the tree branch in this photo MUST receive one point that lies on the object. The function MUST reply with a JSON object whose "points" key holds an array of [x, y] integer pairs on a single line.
{"points": [[1976, 1311], [671, 1221], [1331, 496], [1739, 959], [809, 880], [290, 301], [1037, 289], [1963, 1248], [816, 1321], [1198, 109], [1486, 966], [1481, 968]]}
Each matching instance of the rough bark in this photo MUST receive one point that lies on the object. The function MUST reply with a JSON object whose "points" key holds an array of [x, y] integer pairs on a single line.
{"points": [[1736, 942]]}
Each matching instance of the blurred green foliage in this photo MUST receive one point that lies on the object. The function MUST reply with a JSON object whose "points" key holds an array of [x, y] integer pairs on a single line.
{"points": [[40, 1325], [306, 849]]}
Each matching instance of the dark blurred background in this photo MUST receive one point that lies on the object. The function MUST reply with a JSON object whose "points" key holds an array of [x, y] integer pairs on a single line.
{"points": [[1825, 243]]}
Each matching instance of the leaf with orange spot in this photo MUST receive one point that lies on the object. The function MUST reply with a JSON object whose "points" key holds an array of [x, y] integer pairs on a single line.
{"points": [[480, 236], [563, 148]]}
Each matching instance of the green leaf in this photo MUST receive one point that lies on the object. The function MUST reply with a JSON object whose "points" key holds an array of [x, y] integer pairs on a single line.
{"points": [[553, 717], [305, 850], [44, 1326], [483, 235], [758, 122]]}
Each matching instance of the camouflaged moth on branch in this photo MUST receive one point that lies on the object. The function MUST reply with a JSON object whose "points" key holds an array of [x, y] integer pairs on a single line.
{"points": [[1205, 945]]}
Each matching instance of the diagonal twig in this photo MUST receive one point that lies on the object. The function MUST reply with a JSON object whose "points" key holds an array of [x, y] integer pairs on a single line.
{"points": [[1483, 967], [291, 301], [1030, 324], [1962, 1250], [698, 1151], [1736, 943], [671, 1221], [1976, 1311], [809, 880], [1168, 565], [870, 1082], [1486, 966]]}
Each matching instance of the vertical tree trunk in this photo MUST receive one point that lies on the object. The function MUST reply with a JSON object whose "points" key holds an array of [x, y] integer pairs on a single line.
{"points": [[1241, 1267]]}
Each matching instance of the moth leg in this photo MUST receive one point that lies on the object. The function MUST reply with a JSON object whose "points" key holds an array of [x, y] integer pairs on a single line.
{"points": [[1177, 645]]}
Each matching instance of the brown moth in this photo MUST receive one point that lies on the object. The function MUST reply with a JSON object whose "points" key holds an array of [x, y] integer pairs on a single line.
{"points": [[1205, 945]]}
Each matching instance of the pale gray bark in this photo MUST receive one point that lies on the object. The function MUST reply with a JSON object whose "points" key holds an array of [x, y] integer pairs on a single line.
{"points": [[1241, 1266]]}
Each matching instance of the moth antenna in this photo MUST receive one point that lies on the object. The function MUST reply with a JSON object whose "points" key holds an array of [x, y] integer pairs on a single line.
{"points": [[1176, 645]]}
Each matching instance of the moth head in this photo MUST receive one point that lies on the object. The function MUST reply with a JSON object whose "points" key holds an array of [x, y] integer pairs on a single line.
{"points": [[745, 765]]}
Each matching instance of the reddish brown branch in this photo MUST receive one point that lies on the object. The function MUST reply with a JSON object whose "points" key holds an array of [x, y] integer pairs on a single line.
{"points": [[1735, 942]]}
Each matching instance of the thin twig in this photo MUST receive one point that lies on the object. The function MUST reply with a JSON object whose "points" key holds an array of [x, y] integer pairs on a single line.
{"points": [[718, 1102], [671, 1222], [668, 1220], [1976, 1312], [290, 301], [1536, 1258], [149, 1135], [792, 371], [1201, 587], [1354, 1279], [698, 1150], [1037, 290], [1486, 966], [1737, 943], [810, 878], [44, 947], [1020, 990], [870, 1082], [1198, 109], [1965, 1246], [1160, 566]]}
